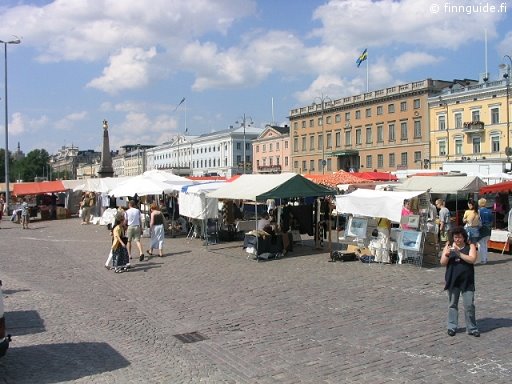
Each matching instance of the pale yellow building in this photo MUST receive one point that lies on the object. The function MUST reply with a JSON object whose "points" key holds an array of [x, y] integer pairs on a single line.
{"points": [[469, 122]]}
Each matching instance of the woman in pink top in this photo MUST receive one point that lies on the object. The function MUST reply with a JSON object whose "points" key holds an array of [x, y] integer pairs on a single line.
{"points": [[406, 211]]}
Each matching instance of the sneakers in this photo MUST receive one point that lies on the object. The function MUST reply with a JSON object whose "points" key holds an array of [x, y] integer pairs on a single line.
{"points": [[451, 332], [475, 333], [141, 257]]}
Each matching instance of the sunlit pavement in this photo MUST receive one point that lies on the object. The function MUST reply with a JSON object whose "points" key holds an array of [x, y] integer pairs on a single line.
{"points": [[209, 314]]}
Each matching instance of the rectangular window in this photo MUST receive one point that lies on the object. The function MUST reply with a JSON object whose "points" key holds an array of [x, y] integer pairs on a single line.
{"points": [[338, 139], [495, 115], [303, 143], [347, 116], [348, 138], [286, 161], [417, 129], [442, 148], [380, 134], [391, 128], [270, 147], [303, 123], [257, 148], [380, 110], [417, 157], [311, 165], [337, 118], [311, 123], [320, 165], [328, 120], [295, 125], [295, 164], [403, 159], [358, 136], [391, 160], [304, 166], [391, 108], [286, 145], [458, 120], [358, 114], [417, 104], [495, 144], [403, 130], [475, 115], [380, 161], [320, 122], [277, 146], [403, 106], [458, 146], [369, 138], [369, 162], [239, 146], [476, 145], [311, 143], [329, 165], [320, 141], [368, 112], [329, 140], [441, 122]]}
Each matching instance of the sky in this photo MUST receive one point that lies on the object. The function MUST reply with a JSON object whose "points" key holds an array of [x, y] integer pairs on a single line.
{"points": [[132, 62]]}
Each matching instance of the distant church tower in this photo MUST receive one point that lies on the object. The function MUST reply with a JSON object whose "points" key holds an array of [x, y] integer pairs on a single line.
{"points": [[106, 169]]}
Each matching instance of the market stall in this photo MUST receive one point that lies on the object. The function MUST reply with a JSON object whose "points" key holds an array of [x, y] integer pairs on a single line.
{"points": [[260, 188], [367, 209]]}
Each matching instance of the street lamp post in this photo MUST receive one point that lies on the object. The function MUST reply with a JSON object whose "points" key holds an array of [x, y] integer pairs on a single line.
{"points": [[6, 154], [322, 101], [508, 150], [244, 122]]}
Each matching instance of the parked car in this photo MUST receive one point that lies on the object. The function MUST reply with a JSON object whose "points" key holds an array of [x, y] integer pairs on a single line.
{"points": [[4, 338]]}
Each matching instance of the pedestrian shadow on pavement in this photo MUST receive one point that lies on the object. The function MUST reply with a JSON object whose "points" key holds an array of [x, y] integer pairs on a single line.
{"points": [[13, 291], [57, 363], [144, 267], [488, 324], [22, 323]]}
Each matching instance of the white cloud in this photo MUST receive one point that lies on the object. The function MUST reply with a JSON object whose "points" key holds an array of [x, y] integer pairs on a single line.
{"points": [[68, 121], [409, 60], [127, 70]]}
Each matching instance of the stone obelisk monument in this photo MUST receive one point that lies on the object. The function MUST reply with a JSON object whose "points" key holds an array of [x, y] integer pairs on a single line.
{"points": [[106, 169]]}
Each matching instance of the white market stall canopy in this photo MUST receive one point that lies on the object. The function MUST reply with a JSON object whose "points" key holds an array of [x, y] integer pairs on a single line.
{"points": [[441, 184], [101, 185], [372, 203], [143, 185], [260, 187], [194, 202]]}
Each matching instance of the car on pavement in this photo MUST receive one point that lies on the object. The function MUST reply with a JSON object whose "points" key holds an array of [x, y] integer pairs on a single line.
{"points": [[4, 338]]}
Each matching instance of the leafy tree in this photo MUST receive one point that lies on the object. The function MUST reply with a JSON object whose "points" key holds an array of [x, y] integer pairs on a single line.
{"points": [[34, 164]]}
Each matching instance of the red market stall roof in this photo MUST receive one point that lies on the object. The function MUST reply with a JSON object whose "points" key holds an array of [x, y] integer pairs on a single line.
{"points": [[377, 176], [38, 188], [505, 186], [334, 179]]}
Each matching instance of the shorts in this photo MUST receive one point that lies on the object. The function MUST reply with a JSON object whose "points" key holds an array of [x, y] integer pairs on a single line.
{"points": [[133, 232]]}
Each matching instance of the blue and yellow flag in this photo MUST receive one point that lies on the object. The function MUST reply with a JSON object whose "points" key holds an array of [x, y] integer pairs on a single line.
{"points": [[362, 57]]}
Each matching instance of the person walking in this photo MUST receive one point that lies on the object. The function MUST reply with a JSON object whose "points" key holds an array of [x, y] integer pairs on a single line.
{"points": [[156, 229], [472, 222], [444, 220], [25, 214], [133, 233], [459, 256], [119, 252], [486, 220], [85, 204]]}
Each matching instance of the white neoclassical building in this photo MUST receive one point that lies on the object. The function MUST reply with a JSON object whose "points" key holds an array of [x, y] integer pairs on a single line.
{"points": [[225, 153]]}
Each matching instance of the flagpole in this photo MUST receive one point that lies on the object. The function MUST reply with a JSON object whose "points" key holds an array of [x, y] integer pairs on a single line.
{"points": [[186, 129], [367, 75]]}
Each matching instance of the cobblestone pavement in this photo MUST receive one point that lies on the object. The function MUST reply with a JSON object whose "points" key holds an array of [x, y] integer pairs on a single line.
{"points": [[300, 319]]}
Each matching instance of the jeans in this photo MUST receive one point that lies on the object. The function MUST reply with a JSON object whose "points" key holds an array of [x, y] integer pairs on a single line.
{"points": [[468, 298], [483, 250]]}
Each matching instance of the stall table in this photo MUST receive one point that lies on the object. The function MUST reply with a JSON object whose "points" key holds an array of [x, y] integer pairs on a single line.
{"points": [[499, 240]]}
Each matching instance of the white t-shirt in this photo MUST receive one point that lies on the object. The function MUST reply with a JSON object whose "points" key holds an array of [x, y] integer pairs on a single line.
{"points": [[132, 216]]}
